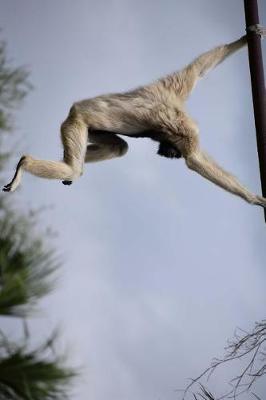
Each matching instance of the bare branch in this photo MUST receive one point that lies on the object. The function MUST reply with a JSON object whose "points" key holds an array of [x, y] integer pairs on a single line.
{"points": [[250, 348]]}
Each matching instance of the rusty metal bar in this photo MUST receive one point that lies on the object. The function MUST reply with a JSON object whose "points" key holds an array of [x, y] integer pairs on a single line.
{"points": [[258, 86]]}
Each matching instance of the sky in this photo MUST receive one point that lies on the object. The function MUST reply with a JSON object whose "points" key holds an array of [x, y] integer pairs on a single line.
{"points": [[159, 266]]}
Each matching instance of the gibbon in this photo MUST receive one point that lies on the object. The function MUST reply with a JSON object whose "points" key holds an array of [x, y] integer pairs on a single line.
{"points": [[157, 111]]}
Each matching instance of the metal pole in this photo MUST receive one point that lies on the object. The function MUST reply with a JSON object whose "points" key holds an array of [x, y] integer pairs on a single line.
{"points": [[258, 87]]}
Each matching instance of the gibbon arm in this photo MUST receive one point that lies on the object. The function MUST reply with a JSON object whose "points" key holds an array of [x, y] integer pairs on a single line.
{"points": [[204, 165]]}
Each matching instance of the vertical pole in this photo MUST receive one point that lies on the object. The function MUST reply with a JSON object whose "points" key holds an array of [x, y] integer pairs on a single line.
{"points": [[258, 86]]}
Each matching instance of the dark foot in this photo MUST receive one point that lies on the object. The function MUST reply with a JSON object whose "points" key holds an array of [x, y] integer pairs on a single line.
{"points": [[7, 188], [67, 182]]}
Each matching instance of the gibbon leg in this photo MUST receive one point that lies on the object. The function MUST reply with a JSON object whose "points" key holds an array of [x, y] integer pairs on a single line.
{"points": [[105, 145], [41, 168], [187, 78], [74, 135], [202, 163], [74, 138]]}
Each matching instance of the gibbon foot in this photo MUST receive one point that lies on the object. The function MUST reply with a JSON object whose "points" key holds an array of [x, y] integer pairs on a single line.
{"points": [[11, 186], [7, 188], [67, 183]]}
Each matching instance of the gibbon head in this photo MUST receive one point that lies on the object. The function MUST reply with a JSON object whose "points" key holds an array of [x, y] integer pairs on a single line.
{"points": [[166, 149]]}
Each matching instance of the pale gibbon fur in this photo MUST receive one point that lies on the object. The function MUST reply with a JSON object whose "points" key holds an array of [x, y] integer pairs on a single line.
{"points": [[156, 111]]}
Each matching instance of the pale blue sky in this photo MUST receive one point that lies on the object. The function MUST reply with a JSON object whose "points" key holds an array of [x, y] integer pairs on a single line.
{"points": [[160, 265]]}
